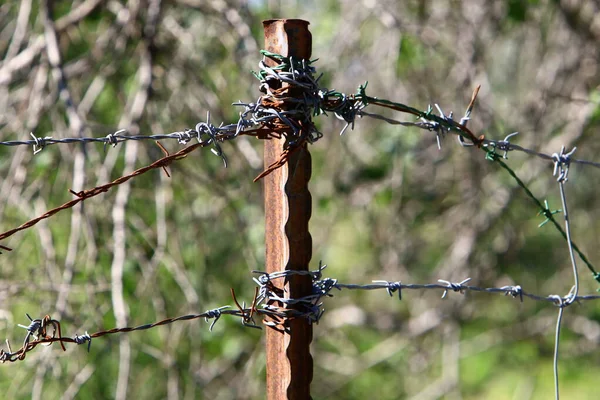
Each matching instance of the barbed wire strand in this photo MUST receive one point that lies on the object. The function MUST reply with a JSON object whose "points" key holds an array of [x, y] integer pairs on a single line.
{"points": [[329, 101], [38, 328], [161, 163], [346, 107], [432, 122]]}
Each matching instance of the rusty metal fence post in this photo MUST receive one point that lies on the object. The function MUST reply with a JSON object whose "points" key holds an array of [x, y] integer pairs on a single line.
{"points": [[288, 241]]}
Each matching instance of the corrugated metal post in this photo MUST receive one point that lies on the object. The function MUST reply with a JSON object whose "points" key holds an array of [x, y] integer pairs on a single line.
{"points": [[288, 243]]}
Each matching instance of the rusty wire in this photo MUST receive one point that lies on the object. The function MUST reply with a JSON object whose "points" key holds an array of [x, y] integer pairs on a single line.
{"points": [[86, 194], [43, 338], [38, 328]]}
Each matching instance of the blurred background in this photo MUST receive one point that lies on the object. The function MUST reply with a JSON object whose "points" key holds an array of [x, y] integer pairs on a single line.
{"points": [[387, 204]]}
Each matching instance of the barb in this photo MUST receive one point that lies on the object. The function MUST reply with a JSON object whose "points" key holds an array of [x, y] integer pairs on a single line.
{"points": [[562, 161], [246, 314], [544, 210]]}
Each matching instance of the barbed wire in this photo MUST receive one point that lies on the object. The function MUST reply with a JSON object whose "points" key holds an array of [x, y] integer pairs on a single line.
{"points": [[267, 118], [322, 287], [277, 317], [38, 329], [353, 106], [317, 101], [278, 113]]}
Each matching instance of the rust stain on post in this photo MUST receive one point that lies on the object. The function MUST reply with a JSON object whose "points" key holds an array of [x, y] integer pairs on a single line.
{"points": [[288, 242]]}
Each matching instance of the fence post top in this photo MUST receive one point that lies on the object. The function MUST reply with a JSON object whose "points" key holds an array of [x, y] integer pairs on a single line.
{"points": [[285, 21], [288, 37]]}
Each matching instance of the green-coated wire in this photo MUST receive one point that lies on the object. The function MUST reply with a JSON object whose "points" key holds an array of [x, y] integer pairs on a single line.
{"points": [[549, 215], [490, 155]]}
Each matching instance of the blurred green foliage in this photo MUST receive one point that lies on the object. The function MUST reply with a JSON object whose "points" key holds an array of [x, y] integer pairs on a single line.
{"points": [[387, 204]]}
